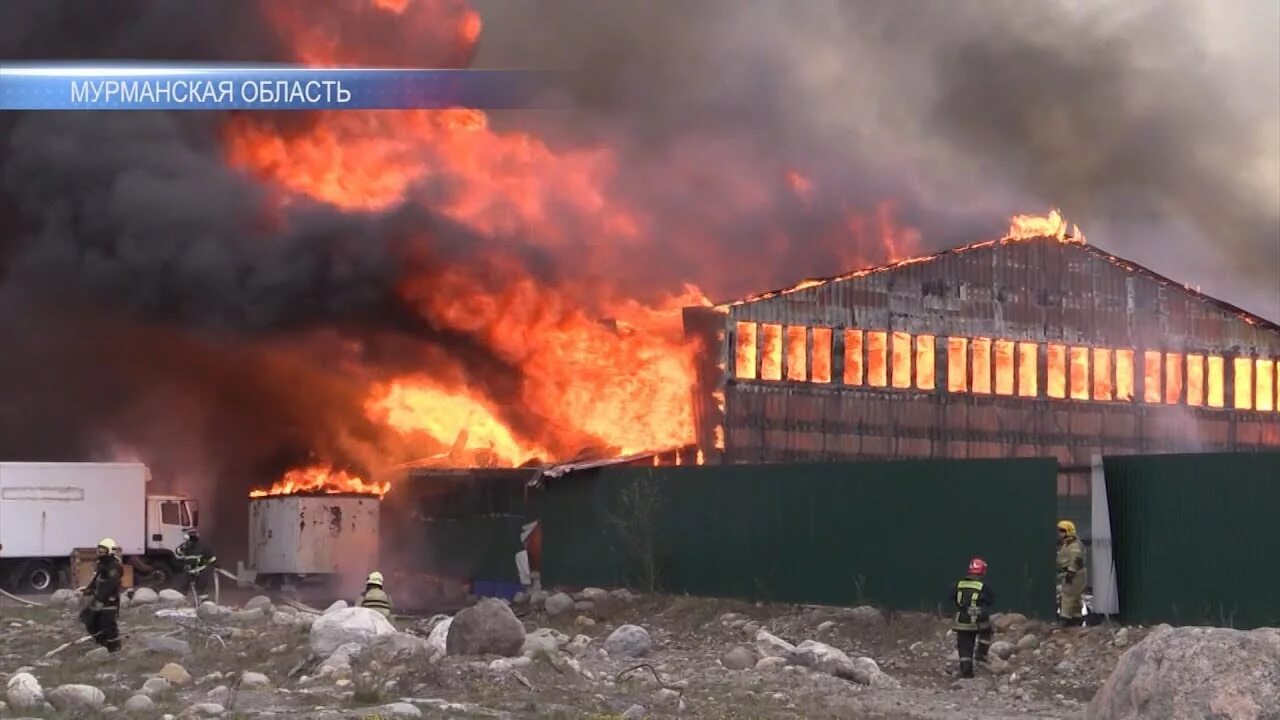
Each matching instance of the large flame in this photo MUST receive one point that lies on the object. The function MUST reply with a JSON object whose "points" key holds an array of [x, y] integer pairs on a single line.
{"points": [[322, 479]]}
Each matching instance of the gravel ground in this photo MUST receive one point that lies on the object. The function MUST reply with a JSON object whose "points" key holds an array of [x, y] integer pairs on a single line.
{"points": [[681, 676]]}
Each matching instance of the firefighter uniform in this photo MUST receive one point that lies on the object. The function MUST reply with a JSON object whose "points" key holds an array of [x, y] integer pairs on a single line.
{"points": [[101, 616], [374, 597], [196, 558], [1072, 574], [973, 599]]}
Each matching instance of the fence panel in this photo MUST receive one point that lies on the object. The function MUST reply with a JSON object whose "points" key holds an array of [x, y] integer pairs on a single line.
{"points": [[892, 533], [1197, 537]]}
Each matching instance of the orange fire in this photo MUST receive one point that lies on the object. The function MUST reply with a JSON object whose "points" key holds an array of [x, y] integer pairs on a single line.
{"points": [[1026, 227], [1004, 367], [982, 365], [1102, 374], [852, 357], [877, 358], [901, 376], [797, 369], [744, 362], [957, 364], [322, 479], [925, 361], [822, 355], [771, 357], [1057, 368]]}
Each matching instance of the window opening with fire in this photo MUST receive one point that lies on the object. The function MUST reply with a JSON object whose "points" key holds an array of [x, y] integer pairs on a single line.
{"points": [[998, 366]]}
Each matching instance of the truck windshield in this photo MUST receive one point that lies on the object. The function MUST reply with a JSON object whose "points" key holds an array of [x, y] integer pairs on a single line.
{"points": [[169, 513]]}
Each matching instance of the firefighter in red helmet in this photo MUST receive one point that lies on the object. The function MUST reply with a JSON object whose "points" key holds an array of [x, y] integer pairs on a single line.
{"points": [[973, 599]]}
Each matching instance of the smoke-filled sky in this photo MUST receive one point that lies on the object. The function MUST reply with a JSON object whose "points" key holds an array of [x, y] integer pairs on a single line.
{"points": [[155, 298]]}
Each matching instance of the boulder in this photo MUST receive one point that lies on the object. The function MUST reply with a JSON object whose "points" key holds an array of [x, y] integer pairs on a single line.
{"points": [[145, 596], [820, 656], [24, 692], [861, 670], [172, 597], [486, 628], [1028, 643], [437, 640], [770, 645], [400, 646], [770, 663], [220, 695], [584, 606], [538, 597], [175, 674], [280, 618], [635, 712], [248, 617], [578, 644], [339, 661], [97, 655], [204, 710], [558, 604], [1002, 649], [168, 646], [543, 641], [739, 658], [622, 595], [866, 615], [155, 686], [254, 681], [76, 698], [260, 602], [304, 620], [64, 598], [1194, 672], [1007, 621], [594, 594], [139, 705], [209, 611], [346, 625], [628, 641], [336, 606]]}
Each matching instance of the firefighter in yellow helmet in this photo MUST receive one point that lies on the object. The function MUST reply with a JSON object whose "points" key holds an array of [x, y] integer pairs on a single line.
{"points": [[374, 597], [101, 615], [1072, 575]]}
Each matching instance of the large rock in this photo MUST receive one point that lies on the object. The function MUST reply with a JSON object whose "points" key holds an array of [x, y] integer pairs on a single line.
{"points": [[139, 705], [73, 698], [156, 686], [347, 625], [1194, 673], [168, 646], [544, 641], [260, 602], [145, 596], [339, 661], [254, 681], [397, 710], [24, 692], [866, 615], [336, 606], [175, 674], [558, 604], [172, 597], [1007, 621], [252, 616], [770, 645], [628, 641], [1002, 649], [819, 656], [739, 658], [400, 646], [437, 639], [64, 598], [486, 628], [211, 612]]}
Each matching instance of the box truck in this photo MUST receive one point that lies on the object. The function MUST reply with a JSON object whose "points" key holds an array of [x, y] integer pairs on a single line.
{"points": [[48, 510]]}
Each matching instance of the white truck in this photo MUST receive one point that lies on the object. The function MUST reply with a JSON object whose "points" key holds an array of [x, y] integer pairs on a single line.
{"points": [[50, 509]]}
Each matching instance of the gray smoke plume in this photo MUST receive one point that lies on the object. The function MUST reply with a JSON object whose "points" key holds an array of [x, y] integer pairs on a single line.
{"points": [[149, 298], [1155, 125]]}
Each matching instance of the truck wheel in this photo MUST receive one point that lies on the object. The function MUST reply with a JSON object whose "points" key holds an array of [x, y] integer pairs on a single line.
{"points": [[37, 576]]}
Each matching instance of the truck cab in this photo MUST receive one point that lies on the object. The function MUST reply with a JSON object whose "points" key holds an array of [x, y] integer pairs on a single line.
{"points": [[169, 517]]}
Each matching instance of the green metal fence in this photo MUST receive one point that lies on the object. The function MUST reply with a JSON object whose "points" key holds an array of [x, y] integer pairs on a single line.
{"points": [[1197, 537], [896, 534]]}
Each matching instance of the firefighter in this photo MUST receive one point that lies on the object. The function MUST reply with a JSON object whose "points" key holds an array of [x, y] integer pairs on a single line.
{"points": [[973, 599], [196, 558], [1072, 575], [101, 615], [374, 597]]}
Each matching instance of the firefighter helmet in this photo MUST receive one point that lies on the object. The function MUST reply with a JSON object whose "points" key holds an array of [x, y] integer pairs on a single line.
{"points": [[375, 578], [977, 566], [1067, 527], [107, 546]]}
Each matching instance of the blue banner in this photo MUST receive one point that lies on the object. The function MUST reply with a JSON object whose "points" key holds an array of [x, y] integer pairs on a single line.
{"points": [[133, 86]]}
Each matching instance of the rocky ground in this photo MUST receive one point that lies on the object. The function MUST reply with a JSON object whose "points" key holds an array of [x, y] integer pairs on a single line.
{"points": [[594, 655]]}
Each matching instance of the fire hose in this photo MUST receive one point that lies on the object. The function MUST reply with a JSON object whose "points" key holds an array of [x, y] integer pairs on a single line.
{"points": [[22, 601], [291, 603]]}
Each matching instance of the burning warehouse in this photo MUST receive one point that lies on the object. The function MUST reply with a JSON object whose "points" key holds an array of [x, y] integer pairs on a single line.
{"points": [[1038, 344]]}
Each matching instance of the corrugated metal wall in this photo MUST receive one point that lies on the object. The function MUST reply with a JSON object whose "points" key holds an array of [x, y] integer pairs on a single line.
{"points": [[1039, 294], [896, 534], [1197, 538]]}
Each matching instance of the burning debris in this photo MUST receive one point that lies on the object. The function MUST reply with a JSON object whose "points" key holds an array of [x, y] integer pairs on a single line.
{"points": [[322, 480]]}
